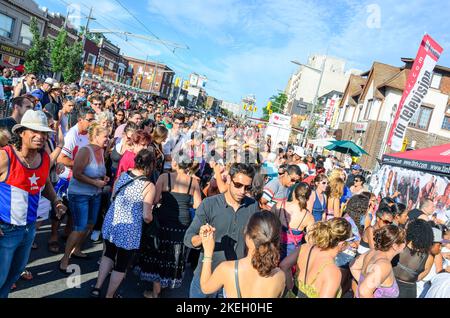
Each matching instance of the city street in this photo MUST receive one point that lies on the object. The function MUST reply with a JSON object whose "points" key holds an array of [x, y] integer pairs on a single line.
{"points": [[49, 282]]}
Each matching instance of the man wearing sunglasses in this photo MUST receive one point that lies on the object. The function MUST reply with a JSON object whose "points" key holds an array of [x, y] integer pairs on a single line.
{"points": [[227, 215], [26, 85], [277, 190]]}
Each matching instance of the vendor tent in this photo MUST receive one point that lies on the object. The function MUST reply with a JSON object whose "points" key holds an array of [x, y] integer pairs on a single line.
{"points": [[435, 160], [412, 176]]}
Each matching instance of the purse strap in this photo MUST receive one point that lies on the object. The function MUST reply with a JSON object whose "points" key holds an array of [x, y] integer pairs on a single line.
{"points": [[126, 184]]}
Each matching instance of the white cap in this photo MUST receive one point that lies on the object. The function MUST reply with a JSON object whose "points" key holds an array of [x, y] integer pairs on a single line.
{"points": [[34, 120], [299, 151], [49, 81]]}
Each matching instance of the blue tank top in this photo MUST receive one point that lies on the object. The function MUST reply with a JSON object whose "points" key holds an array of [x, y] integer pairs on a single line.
{"points": [[319, 208]]}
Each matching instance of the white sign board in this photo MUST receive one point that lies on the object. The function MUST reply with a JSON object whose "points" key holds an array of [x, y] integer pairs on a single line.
{"points": [[280, 119], [278, 134], [193, 79], [193, 91]]}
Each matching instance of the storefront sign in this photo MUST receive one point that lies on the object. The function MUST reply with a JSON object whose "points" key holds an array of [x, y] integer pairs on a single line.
{"points": [[11, 50], [360, 127]]}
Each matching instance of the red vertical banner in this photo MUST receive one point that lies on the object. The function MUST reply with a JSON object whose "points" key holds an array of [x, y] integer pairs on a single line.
{"points": [[417, 85]]}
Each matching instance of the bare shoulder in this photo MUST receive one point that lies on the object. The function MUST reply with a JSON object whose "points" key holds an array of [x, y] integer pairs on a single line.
{"points": [[4, 160]]}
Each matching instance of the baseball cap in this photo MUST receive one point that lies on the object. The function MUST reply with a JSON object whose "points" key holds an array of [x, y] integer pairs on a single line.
{"points": [[49, 81], [437, 235], [356, 167], [299, 151], [34, 120]]}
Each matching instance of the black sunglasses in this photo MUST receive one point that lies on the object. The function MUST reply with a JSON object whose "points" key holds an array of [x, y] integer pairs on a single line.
{"points": [[238, 185]]}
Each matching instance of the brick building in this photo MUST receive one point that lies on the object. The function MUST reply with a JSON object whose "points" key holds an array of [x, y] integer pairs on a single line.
{"points": [[142, 73], [15, 35], [55, 23]]}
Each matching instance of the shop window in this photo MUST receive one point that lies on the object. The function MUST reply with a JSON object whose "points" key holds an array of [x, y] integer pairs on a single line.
{"points": [[6, 26]]}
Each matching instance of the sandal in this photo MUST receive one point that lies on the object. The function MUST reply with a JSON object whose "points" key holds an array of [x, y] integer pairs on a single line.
{"points": [[95, 292], [26, 275], [53, 247], [34, 246]]}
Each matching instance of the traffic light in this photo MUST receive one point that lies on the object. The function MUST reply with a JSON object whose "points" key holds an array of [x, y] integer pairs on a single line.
{"points": [[255, 109], [269, 105], [177, 82], [245, 106]]}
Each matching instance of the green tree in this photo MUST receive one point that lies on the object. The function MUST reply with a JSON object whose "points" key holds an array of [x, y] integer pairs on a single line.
{"points": [[58, 53], [277, 105], [94, 37], [73, 62], [37, 56]]}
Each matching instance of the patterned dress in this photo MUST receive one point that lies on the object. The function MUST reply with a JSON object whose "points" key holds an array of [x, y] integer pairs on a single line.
{"points": [[124, 219], [165, 263]]}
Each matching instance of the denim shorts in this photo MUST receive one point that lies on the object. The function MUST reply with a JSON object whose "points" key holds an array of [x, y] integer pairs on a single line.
{"points": [[343, 260], [84, 209]]}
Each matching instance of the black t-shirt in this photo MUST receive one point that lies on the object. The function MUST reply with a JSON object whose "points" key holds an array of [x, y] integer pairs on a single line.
{"points": [[8, 123]]}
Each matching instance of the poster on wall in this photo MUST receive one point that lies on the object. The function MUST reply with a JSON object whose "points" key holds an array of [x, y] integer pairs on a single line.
{"points": [[410, 187]]}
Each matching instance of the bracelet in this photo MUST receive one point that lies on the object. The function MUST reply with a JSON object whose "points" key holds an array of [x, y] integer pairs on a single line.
{"points": [[207, 259]]}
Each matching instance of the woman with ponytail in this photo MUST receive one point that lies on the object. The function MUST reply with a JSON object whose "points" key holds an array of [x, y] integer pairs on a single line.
{"points": [[373, 270], [295, 219], [317, 274], [255, 276]]}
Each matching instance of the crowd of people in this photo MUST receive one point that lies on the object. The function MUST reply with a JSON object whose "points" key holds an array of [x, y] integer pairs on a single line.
{"points": [[161, 187]]}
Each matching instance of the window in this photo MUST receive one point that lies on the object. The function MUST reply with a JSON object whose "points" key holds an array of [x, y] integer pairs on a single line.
{"points": [[345, 112], [446, 123], [368, 109], [436, 80], [111, 65], [360, 106], [421, 118], [91, 59], [101, 61], [26, 37], [6, 26]]}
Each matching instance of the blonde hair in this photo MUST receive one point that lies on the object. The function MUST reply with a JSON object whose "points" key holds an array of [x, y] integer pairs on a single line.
{"points": [[95, 130], [5, 136], [327, 235], [336, 188], [336, 173], [160, 132]]}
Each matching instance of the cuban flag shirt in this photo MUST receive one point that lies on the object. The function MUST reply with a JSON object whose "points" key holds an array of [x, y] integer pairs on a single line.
{"points": [[21, 191]]}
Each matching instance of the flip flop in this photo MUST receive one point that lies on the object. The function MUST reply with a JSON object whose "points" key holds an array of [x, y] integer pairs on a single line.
{"points": [[64, 271], [86, 257], [53, 247], [34, 246], [95, 292], [26, 275]]}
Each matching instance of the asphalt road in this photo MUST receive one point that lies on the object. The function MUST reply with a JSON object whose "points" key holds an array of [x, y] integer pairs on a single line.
{"points": [[49, 282]]}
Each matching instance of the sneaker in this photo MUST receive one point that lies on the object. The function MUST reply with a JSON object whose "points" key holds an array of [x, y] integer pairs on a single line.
{"points": [[95, 236]]}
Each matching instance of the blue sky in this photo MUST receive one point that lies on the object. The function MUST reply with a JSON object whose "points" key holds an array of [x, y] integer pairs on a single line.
{"points": [[245, 47]]}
